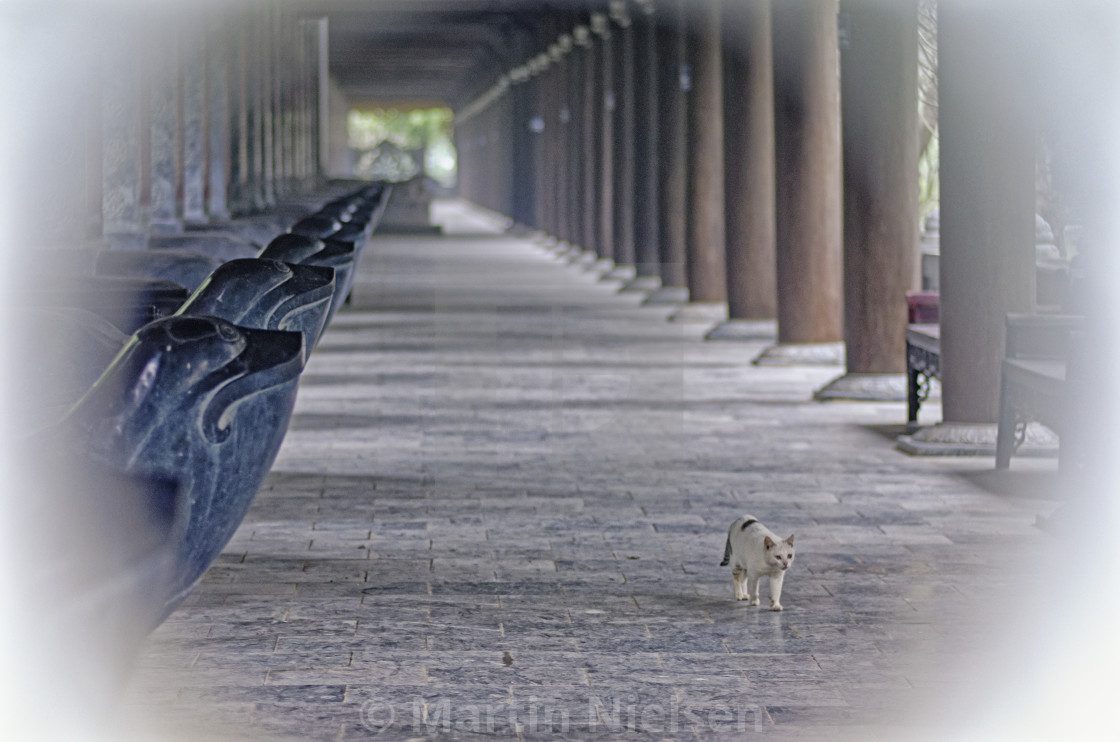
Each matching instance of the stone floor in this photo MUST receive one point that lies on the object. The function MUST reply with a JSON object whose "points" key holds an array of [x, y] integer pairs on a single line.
{"points": [[500, 508]]}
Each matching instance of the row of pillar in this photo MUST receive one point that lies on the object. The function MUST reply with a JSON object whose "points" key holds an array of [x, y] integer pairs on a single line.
{"points": [[191, 118], [712, 157], [708, 135]]}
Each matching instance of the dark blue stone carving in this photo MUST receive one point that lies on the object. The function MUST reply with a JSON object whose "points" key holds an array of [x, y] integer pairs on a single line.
{"points": [[352, 231], [128, 303], [316, 226], [341, 210], [199, 401], [267, 295], [336, 254]]}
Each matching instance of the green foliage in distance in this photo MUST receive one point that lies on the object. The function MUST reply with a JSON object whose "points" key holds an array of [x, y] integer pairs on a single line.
{"points": [[428, 129]]}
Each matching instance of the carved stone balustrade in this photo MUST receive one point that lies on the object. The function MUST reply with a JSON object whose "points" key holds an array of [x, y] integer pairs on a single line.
{"points": [[199, 401], [268, 295]]}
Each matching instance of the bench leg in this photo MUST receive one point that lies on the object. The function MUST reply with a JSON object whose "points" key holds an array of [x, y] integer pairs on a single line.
{"points": [[913, 396], [1005, 432]]}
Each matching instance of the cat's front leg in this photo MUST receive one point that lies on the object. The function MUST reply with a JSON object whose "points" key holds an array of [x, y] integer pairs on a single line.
{"points": [[776, 591], [752, 588]]}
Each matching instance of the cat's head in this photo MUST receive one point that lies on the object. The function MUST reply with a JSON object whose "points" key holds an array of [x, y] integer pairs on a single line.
{"points": [[779, 554]]}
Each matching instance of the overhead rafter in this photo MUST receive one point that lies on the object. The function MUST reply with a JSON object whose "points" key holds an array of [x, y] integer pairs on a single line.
{"points": [[443, 50]]}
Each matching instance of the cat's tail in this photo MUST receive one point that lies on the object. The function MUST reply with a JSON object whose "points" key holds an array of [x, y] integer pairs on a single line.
{"points": [[726, 552]]}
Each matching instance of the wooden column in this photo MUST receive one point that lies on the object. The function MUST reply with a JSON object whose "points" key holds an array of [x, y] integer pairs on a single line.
{"points": [[573, 143], [195, 161], [219, 131], [550, 112], [522, 114], [622, 39], [254, 104], [267, 51], [674, 82], [879, 98], [608, 113], [646, 151], [122, 221], [749, 167], [592, 143], [808, 189], [544, 153], [505, 163], [707, 268], [536, 126], [987, 199], [165, 127], [561, 118], [240, 191]]}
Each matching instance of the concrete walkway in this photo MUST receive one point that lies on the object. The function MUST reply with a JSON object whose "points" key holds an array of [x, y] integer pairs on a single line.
{"points": [[500, 508]]}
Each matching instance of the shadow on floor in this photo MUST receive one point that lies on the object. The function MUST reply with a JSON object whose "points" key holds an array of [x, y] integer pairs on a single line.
{"points": [[1038, 479], [1043, 485]]}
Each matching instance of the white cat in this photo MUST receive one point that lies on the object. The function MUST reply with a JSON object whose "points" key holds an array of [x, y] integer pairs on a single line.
{"points": [[753, 551]]}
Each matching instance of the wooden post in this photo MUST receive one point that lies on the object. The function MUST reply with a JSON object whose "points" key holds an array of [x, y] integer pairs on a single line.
{"points": [[707, 268], [749, 166], [572, 143], [808, 190], [674, 83], [592, 131], [194, 52], [522, 135], [622, 40], [556, 130], [219, 129], [121, 216], [987, 265], [646, 151], [165, 131], [608, 112], [879, 95], [987, 200], [536, 126]]}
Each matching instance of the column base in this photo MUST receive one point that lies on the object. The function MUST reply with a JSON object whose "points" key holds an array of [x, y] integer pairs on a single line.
{"points": [[864, 387], [598, 266], [744, 329], [641, 283], [802, 354], [700, 311], [565, 251], [973, 439], [666, 295], [556, 247], [624, 273], [583, 259]]}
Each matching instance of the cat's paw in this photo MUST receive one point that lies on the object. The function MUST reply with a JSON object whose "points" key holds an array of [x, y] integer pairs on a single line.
{"points": [[754, 601], [775, 606]]}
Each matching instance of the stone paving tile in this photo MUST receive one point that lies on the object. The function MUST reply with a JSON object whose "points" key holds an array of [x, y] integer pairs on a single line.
{"points": [[499, 511]]}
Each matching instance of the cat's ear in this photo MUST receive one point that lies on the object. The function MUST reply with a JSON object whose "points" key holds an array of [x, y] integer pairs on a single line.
{"points": [[790, 540], [768, 542]]}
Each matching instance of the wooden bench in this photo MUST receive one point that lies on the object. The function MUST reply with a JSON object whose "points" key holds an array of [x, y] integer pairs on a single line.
{"points": [[923, 348], [1033, 384], [923, 364]]}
